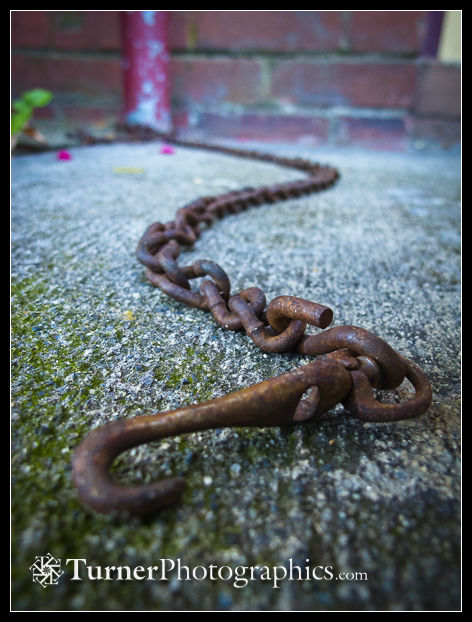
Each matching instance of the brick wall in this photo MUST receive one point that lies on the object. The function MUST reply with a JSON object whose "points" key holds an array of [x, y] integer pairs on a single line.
{"points": [[336, 76]]}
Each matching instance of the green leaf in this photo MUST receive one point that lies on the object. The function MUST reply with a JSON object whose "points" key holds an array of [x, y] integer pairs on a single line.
{"points": [[25, 106], [20, 106], [19, 120], [37, 97]]}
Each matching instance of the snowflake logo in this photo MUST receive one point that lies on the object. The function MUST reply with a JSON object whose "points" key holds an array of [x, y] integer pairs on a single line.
{"points": [[46, 570]]}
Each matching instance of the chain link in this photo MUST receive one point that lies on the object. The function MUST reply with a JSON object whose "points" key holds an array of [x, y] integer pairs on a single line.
{"points": [[279, 327], [352, 360]]}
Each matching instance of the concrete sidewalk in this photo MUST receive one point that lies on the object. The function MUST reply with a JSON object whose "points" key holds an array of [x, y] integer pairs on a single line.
{"points": [[92, 341]]}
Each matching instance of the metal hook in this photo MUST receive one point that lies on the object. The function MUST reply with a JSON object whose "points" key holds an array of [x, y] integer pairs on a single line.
{"points": [[274, 402]]}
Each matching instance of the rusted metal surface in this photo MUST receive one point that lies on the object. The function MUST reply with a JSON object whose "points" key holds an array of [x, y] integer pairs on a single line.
{"points": [[352, 360], [271, 403]]}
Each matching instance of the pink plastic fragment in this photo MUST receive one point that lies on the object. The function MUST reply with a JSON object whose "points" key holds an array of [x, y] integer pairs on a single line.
{"points": [[63, 155], [167, 149]]}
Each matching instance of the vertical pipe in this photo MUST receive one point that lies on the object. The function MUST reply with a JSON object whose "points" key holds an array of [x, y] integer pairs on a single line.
{"points": [[433, 33], [146, 69]]}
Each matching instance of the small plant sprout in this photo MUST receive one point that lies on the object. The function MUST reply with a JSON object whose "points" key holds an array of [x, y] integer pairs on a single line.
{"points": [[22, 111]]}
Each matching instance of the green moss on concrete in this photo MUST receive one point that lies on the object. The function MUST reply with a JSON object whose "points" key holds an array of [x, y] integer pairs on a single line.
{"points": [[194, 370], [55, 391]]}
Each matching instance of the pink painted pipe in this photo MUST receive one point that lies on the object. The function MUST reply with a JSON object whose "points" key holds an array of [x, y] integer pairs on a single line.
{"points": [[146, 69]]}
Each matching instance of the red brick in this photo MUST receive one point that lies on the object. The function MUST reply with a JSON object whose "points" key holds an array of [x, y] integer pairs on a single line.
{"points": [[81, 111], [389, 85], [387, 31], [439, 91], [93, 76], [29, 29], [256, 30], [180, 119], [445, 131], [86, 30], [46, 112], [91, 114], [261, 126], [67, 30], [215, 81], [180, 30], [377, 133]]}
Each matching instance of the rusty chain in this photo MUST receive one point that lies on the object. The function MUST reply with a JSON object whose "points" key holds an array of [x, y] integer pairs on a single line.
{"points": [[352, 360]]}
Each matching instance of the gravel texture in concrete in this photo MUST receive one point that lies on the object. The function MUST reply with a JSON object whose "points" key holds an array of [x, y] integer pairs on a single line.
{"points": [[92, 342]]}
